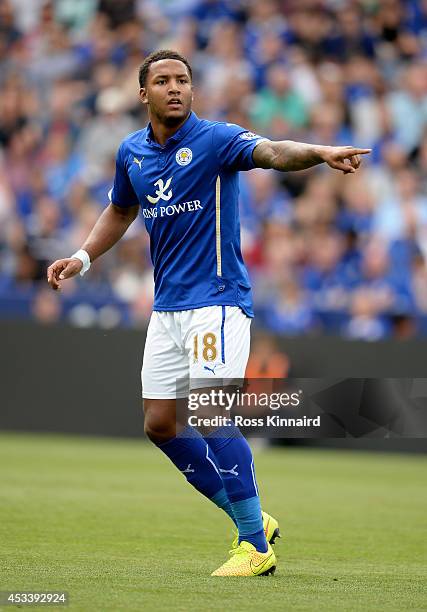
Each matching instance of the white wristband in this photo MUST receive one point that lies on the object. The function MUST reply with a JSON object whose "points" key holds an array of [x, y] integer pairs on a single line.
{"points": [[84, 258]]}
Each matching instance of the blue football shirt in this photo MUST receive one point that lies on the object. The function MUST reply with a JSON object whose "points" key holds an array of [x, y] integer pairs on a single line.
{"points": [[188, 192]]}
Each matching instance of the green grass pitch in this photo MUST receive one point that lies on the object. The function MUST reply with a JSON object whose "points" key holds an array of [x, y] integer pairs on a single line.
{"points": [[114, 524]]}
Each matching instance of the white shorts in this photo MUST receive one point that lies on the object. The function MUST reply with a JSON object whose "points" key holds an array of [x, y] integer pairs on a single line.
{"points": [[208, 344]]}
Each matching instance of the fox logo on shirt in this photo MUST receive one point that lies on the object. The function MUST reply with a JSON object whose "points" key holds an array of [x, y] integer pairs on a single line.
{"points": [[161, 191]]}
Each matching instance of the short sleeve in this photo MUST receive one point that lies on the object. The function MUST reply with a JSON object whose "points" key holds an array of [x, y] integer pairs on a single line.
{"points": [[234, 146], [122, 193]]}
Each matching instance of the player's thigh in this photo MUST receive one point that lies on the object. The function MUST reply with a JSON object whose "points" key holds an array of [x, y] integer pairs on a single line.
{"points": [[165, 362], [218, 343]]}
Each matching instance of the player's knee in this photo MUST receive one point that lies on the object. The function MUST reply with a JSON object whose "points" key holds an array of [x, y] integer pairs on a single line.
{"points": [[158, 425], [158, 430]]}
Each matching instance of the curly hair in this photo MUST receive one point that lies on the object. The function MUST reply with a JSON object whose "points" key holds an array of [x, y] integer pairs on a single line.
{"points": [[156, 57]]}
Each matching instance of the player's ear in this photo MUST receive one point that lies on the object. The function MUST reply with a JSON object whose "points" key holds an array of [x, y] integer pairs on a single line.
{"points": [[143, 95]]}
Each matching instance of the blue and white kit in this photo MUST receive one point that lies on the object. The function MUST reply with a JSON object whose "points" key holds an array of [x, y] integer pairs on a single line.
{"points": [[188, 192]]}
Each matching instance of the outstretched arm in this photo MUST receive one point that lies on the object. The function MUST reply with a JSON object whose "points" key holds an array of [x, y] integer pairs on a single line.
{"points": [[108, 230], [287, 155]]}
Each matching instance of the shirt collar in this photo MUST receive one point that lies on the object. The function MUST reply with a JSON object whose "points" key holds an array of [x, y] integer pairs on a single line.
{"points": [[179, 135]]}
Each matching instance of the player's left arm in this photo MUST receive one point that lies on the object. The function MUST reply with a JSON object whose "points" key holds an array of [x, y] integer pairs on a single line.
{"points": [[285, 155]]}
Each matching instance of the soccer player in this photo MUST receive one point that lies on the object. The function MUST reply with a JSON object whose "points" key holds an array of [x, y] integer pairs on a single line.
{"points": [[181, 172]]}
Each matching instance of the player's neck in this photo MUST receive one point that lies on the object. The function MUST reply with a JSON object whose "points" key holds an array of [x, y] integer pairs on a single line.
{"points": [[162, 132]]}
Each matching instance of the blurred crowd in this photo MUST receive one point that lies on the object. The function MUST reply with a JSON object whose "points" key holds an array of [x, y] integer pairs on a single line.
{"points": [[327, 253]]}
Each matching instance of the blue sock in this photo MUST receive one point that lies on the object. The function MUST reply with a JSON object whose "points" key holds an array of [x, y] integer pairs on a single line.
{"points": [[193, 458], [236, 466]]}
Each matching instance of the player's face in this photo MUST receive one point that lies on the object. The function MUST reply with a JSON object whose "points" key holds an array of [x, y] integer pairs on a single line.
{"points": [[168, 91]]}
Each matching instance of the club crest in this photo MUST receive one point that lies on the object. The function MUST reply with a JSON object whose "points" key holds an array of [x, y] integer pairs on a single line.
{"points": [[184, 156]]}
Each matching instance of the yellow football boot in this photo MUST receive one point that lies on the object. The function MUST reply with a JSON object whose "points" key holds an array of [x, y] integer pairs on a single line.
{"points": [[246, 560], [271, 530]]}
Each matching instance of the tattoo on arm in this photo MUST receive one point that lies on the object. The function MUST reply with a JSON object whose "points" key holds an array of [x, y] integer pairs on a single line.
{"points": [[287, 155]]}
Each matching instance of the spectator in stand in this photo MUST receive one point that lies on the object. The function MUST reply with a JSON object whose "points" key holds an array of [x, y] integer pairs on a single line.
{"points": [[349, 36], [404, 214], [391, 287], [98, 142], [408, 107], [324, 275], [291, 311], [365, 321], [277, 106]]}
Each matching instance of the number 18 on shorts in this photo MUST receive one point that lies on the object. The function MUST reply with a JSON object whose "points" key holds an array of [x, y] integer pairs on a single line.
{"points": [[208, 344]]}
